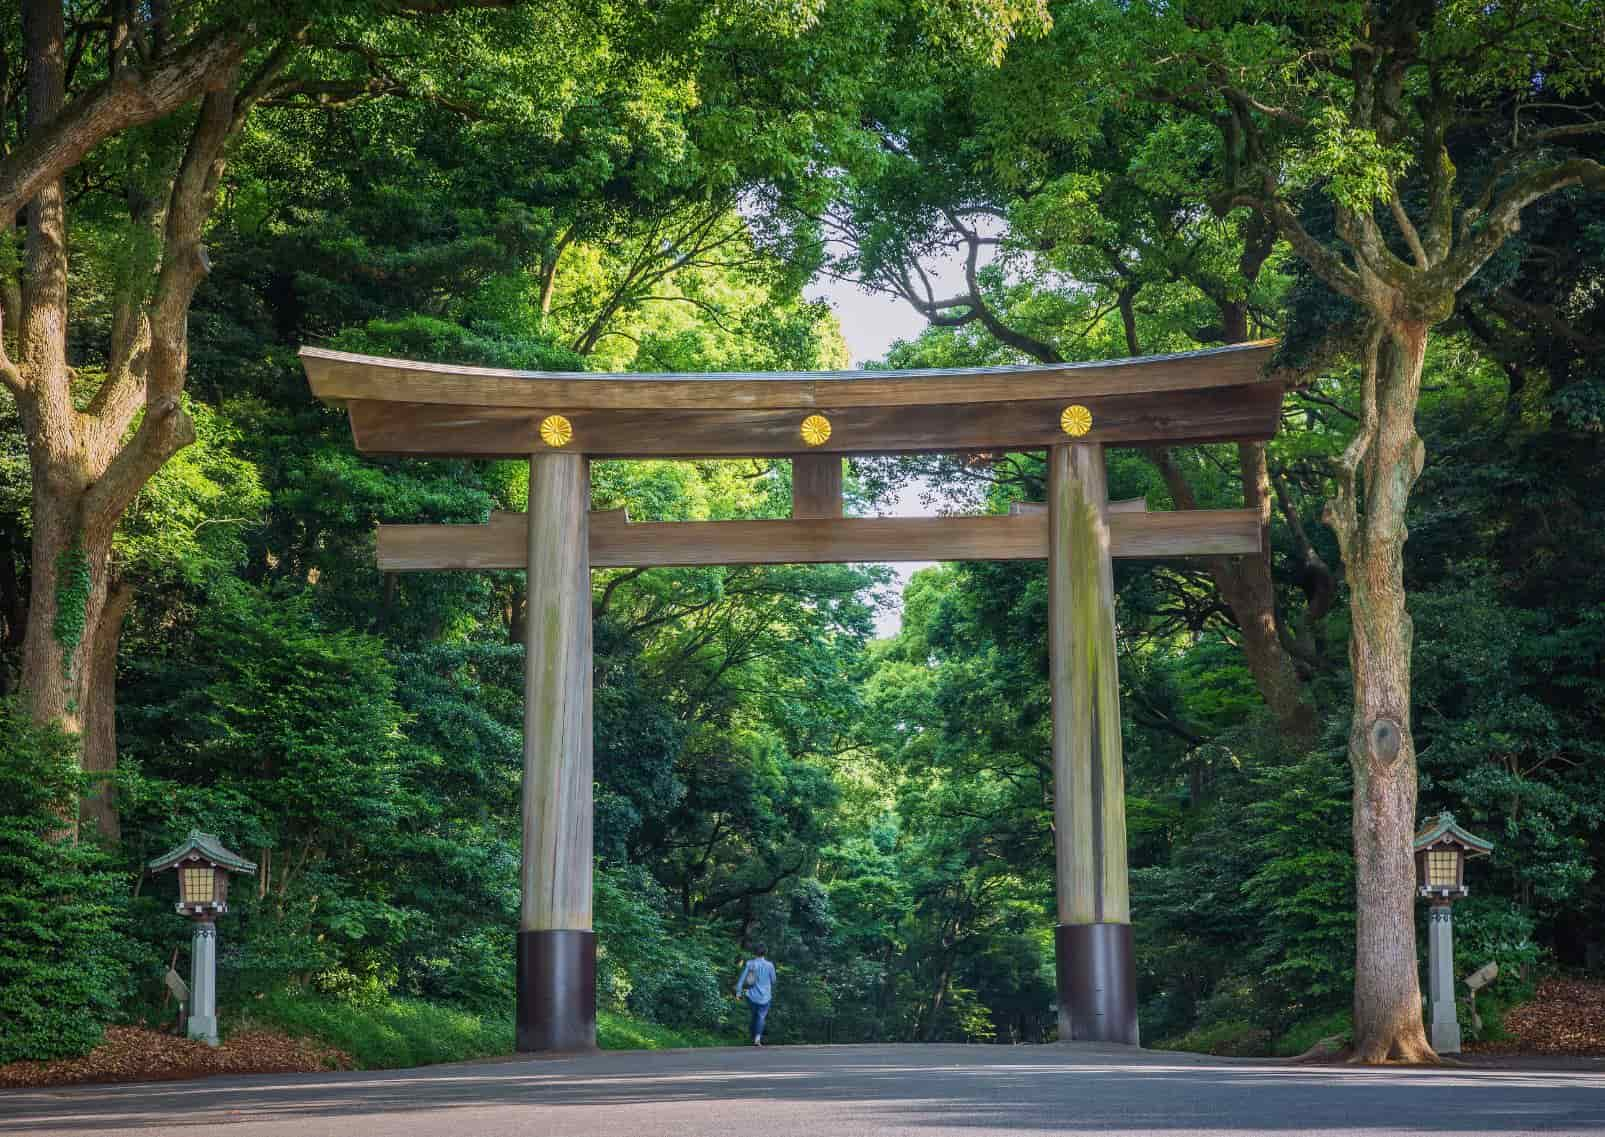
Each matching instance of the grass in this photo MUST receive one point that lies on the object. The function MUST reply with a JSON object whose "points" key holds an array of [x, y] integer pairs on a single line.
{"points": [[1301, 1036], [1244, 1039], [397, 1032], [1233, 1038], [619, 1032], [387, 1033]]}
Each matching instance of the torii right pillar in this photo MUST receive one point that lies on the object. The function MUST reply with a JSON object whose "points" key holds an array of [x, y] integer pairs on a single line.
{"points": [[1097, 979]]}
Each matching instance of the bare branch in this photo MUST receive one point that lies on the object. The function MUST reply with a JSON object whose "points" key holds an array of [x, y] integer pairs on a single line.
{"points": [[1504, 216], [1325, 263], [1311, 396], [1342, 513], [166, 427], [1037, 349], [1407, 227]]}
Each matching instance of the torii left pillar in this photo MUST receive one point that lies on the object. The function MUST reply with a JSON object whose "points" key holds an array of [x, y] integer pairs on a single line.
{"points": [[1096, 967], [556, 946]]}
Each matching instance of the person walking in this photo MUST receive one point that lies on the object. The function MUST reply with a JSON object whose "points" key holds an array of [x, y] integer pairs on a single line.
{"points": [[756, 984]]}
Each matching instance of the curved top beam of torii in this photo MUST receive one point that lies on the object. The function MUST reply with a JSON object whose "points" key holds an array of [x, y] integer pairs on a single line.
{"points": [[444, 410]]}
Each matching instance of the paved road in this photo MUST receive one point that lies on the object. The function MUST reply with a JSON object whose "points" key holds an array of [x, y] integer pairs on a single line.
{"points": [[862, 1091]]}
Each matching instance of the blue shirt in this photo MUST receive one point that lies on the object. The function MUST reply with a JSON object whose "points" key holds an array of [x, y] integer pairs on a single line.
{"points": [[763, 987]]}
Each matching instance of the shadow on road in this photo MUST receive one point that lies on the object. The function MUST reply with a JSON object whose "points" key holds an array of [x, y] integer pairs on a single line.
{"points": [[900, 1089]]}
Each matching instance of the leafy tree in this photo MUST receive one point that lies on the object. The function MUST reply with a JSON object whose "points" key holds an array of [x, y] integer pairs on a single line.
{"points": [[1362, 107]]}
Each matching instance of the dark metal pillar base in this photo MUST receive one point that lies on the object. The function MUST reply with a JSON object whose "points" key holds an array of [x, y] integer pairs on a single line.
{"points": [[1097, 980], [556, 991]]}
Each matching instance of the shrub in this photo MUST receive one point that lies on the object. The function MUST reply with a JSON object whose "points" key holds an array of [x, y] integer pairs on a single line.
{"points": [[684, 992], [646, 970], [388, 1033], [618, 1032], [1234, 1038], [1492, 929], [1301, 1036], [63, 966], [384, 1033]]}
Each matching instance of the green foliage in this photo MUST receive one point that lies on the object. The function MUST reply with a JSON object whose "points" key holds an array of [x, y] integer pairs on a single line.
{"points": [[647, 967], [1235, 1038], [72, 601], [1301, 1036], [878, 813], [617, 1032], [1493, 929], [1303, 884], [63, 906], [383, 1033], [1359, 169], [386, 1033]]}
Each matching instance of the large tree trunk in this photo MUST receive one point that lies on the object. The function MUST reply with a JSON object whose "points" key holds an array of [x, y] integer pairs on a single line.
{"points": [[60, 612], [1368, 515], [86, 467], [99, 806]]}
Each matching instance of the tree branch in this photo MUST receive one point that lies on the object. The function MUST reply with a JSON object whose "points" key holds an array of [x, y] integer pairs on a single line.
{"points": [[128, 98], [1407, 227], [1504, 217], [1325, 263]]}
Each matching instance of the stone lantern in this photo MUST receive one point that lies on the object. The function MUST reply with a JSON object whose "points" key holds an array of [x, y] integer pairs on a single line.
{"points": [[1441, 849], [203, 867]]}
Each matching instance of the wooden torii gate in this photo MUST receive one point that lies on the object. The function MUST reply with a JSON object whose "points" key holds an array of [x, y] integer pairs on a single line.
{"points": [[560, 420]]}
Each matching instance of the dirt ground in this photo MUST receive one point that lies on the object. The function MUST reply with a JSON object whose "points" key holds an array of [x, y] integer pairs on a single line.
{"points": [[1566, 1017], [135, 1054]]}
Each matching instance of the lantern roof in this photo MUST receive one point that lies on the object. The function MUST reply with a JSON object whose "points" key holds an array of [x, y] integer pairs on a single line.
{"points": [[1444, 830], [202, 846]]}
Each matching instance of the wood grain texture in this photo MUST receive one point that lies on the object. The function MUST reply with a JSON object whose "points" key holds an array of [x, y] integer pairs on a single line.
{"points": [[1089, 773], [555, 874], [616, 542], [1124, 505], [1240, 413], [816, 485], [338, 377]]}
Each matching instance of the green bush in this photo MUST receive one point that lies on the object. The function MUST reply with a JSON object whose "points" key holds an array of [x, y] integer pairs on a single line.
{"points": [[684, 991], [645, 970], [619, 1032], [384, 1033], [63, 966], [1302, 1035], [1492, 929], [1236, 1038], [1491, 1009], [381, 1034]]}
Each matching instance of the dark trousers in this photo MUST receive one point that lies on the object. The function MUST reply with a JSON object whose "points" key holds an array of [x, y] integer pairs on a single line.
{"points": [[760, 1011]]}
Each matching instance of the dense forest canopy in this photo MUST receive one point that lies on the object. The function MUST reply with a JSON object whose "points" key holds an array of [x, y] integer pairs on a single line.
{"points": [[193, 632]]}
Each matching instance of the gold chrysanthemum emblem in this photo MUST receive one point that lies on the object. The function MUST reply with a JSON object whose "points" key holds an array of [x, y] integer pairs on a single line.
{"points": [[556, 430], [1076, 420], [815, 430]]}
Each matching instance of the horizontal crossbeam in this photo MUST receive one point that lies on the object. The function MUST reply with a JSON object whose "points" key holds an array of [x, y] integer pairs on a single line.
{"points": [[617, 542], [445, 430]]}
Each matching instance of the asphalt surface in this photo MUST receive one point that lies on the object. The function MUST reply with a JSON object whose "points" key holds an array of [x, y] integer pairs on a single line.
{"points": [[844, 1091]]}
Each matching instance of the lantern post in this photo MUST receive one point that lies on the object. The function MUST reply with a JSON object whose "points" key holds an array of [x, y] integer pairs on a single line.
{"points": [[203, 866], [1441, 851]]}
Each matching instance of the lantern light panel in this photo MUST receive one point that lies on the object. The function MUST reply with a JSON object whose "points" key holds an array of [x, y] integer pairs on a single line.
{"points": [[1443, 868], [199, 884]]}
